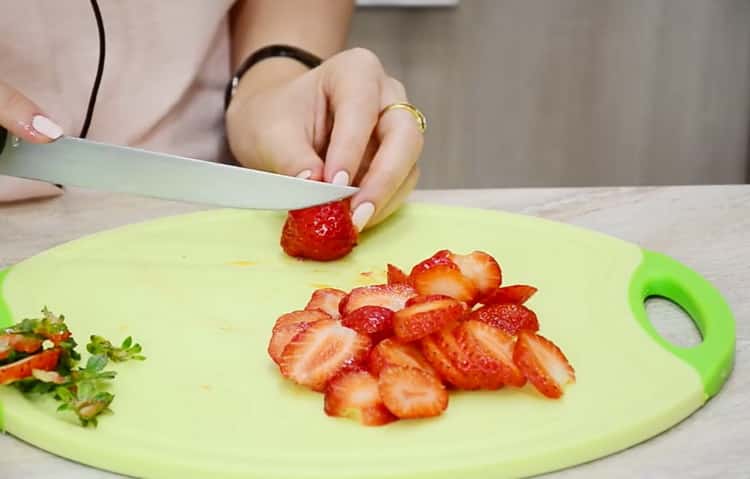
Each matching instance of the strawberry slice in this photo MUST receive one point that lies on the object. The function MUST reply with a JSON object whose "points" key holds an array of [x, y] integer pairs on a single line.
{"points": [[514, 294], [24, 343], [490, 350], [543, 363], [356, 395], [425, 298], [447, 369], [471, 375], [395, 353], [422, 319], [374, 321], [511, 318], [441, 257], [396, 275], [412, 393], [481, 268], [287, 327], [314, 356], [447, 280], [391, 296], [327, 300], [22, 369]]}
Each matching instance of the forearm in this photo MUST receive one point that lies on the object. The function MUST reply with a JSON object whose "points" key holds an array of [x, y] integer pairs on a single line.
{"points": [[318, 26]]}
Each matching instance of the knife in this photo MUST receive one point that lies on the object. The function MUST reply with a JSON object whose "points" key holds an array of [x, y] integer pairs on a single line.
{"points": [[105, 167]]}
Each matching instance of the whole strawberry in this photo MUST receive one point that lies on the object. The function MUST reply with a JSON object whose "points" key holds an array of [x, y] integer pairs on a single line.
{"points": [[322, 233]]}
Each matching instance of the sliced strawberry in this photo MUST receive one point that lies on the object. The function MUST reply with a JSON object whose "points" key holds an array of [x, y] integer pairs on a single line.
{"points": [[543, 363], [514, 294], [22, 343], [374, 321], [417, 321], [391, 296], [356, 395], [288, 326], [472, 376], [481, 268], [396, 275], [321, 351], [442, 257], [511, 318], [395, 353], [412, 393], [326, 300], [423, 299], [22, 369], [301, 316], [445, 280], [490, 349], [448, 371]]}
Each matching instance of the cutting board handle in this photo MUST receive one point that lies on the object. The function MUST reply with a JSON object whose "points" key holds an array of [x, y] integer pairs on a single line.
{"points": [[661, 276]]}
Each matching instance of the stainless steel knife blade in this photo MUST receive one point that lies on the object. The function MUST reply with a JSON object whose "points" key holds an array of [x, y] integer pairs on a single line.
{"points": [[105, 167]]}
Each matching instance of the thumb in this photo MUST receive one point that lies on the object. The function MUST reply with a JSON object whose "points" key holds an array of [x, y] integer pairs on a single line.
{"points": [[22, 118]]}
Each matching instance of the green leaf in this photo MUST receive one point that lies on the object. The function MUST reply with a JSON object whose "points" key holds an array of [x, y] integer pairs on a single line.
{"points": [[96, 363], [128, 341]]}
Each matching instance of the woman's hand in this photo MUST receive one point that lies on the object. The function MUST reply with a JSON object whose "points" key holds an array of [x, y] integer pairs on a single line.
{"points": [[326, 124], [22, 118]]}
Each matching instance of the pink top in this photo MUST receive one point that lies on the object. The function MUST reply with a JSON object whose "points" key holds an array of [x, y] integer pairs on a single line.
{"points": [[166, 67]]}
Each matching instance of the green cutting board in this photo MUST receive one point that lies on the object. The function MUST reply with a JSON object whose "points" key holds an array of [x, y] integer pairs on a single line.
{"points": [[201, 292]]}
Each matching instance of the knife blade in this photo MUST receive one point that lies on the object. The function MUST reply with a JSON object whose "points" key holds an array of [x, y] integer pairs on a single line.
{"points": [[100, 166]]}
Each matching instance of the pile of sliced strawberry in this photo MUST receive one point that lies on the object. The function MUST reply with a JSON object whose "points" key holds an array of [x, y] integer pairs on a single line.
{"points": [[393, 351]]}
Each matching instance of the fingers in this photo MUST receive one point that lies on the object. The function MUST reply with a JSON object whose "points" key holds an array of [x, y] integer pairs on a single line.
{"points": [[293, 155], [353, 85], [22, 118], [400, 146]]}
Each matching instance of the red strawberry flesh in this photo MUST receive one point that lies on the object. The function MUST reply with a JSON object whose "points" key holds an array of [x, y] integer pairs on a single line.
{"points": [[326, 300], [422, 319], [322, 233], [543, 363], [356, 395], [411, 393], [391, 296], [22, 369], [374, 321], [395, 353], [514, 294], [511, 318], [317, 354]]}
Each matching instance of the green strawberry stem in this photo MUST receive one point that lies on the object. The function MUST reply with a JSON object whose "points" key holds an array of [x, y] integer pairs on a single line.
{"points": [[81, 390]]}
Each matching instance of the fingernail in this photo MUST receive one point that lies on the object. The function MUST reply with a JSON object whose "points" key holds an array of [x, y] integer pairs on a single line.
{"points": [[341, 178], [46, 127], [362, 215], [304, 174]]}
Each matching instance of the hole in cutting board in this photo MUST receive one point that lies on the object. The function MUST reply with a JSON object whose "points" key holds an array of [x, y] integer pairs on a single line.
{"points": [[672, 322]]}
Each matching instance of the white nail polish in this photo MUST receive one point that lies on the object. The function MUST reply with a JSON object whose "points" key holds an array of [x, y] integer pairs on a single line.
{"points": [[46, 127], [362, 215], [341, 178], [304, 174]]}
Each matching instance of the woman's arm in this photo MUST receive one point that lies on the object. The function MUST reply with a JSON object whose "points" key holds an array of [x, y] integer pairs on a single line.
{"points": [[318, 26]]}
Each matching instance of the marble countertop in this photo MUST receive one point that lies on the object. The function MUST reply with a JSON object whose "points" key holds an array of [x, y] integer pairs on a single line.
{"points": [[705, 227]]}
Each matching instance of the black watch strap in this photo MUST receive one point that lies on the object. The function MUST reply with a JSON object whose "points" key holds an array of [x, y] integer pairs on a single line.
{"points": [[271, 51]]}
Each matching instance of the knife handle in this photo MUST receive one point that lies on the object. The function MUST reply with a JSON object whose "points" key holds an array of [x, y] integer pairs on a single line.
{"points": [[3, 137]]}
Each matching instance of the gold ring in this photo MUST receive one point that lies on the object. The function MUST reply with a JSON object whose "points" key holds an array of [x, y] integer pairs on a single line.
{"points": [[421, 120]]}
